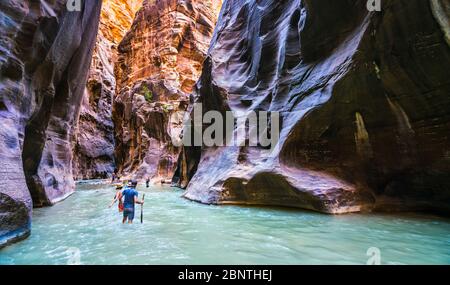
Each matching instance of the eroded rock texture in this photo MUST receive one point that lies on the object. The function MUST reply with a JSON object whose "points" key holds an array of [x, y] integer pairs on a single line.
{"points": [[45, 53], [94, 143], [159, 61], [364, 102]]}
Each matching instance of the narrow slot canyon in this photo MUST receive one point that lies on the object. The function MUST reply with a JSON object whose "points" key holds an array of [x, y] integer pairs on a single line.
{"points": [[91, 95]]}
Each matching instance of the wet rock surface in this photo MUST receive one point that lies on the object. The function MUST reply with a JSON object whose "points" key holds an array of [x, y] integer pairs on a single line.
{"points": [[363, 99], [160, 59], [45, 53], [14, 220], [94, 139]]}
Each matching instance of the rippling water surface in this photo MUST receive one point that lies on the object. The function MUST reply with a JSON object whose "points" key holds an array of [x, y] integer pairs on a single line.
{"points": [[177, 231]]}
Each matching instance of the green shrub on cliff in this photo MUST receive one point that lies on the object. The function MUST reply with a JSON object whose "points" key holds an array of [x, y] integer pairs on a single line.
{"points": [[147, 94]]}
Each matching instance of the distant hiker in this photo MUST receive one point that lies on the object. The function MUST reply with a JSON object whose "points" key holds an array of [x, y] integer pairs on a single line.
{"points": [[147, 183], [113, 178], [130, 196], [118, 197]]}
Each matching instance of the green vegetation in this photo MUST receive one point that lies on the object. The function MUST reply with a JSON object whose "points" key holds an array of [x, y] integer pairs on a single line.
{"points": [[147, 94]]}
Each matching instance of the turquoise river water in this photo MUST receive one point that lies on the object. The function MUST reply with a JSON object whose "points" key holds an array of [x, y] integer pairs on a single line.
{"points": [[82, 229]]}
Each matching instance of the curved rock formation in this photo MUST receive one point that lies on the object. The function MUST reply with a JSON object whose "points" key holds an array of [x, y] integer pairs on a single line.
{"points": [[159, 61], [94, 143], [45, 53], [363, 100]]}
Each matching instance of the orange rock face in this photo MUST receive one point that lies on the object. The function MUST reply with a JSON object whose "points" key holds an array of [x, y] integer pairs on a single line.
{"points": [[160, 60], [116, 18], [94, 145], [168, 43]]}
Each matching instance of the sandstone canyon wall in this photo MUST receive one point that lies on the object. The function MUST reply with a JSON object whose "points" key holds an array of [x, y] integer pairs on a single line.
{"points": [[45, 53], [160, 59], [94, 140], [363, 99]]}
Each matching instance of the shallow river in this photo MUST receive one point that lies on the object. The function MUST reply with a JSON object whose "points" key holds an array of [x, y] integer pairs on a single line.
{"points": [[82, 229]]}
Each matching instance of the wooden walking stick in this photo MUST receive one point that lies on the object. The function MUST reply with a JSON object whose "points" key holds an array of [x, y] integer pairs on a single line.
{"points": [[142, 209]]}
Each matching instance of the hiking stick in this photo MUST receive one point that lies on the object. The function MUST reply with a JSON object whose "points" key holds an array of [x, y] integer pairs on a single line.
{"points": [[142, 209]]}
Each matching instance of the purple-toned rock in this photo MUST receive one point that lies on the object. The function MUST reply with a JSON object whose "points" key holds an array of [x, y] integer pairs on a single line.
{"points": [[363, 100], [45, 54]]}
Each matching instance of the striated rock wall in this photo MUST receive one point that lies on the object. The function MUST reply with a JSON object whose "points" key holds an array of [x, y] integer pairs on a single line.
{"points": [[363, 99], [159, 61], [45, 53], [94, 140]]}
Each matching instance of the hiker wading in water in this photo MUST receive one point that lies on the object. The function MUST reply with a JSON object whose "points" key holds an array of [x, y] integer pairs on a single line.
{"points": [[118, 197], [130, 198]]}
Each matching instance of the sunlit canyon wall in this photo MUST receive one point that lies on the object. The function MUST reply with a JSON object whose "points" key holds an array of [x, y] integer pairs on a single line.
{"points": [[160, 59]]}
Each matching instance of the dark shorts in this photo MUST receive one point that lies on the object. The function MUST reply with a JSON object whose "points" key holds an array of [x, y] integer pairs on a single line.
{"points": [[128, 213]]}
